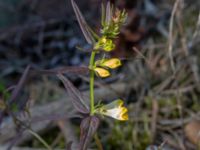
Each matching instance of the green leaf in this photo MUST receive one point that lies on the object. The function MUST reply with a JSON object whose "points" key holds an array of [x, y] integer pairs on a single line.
{"points": [[103, 14]]}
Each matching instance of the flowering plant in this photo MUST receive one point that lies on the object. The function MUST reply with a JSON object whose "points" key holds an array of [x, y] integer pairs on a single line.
{"points": [[111, 21]]}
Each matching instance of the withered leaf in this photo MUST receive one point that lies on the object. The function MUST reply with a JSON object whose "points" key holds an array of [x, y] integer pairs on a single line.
{"points": [[19, 85], [83, 25], [78, 99], [192, 130], [67, 69], [88, 128]]}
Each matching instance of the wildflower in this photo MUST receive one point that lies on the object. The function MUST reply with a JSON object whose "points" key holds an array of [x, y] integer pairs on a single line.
{"points": [[105, 44], [102, 72], [109, 63], [115, 110]]}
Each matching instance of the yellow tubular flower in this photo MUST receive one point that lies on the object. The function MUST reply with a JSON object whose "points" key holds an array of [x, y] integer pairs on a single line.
{"points": [[102, 72], [115, 110], [112, 63]]}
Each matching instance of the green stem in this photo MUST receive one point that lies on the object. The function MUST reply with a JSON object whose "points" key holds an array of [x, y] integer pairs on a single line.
{"points": [[92, 59]]}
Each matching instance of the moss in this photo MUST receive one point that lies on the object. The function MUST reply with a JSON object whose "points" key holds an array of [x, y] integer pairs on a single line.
{"points": [[130, 135]]}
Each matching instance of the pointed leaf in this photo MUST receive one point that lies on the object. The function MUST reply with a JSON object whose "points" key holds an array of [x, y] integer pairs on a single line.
{"points": [[68, 69], [108, 13], [83, 25], [19, 85], [103, 14], [88, 128], [78, 99], [54, 117]]}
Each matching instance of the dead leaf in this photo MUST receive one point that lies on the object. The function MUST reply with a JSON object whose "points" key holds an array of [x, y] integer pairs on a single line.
{"points": [[192, 131], [88, 127], [78, 100]]}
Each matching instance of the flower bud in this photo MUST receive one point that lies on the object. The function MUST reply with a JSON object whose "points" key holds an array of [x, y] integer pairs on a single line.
{"points": [[111, 63], [102, 72], [105, 44]]}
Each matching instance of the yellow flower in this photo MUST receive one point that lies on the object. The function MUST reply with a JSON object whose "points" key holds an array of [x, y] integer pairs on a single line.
{"points": [[115, 110], [112, 63], [105, 44], [102, 72]]}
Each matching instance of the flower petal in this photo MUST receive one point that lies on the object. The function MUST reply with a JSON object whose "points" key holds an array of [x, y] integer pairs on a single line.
{"points": [[115, 110], [114, 104]]}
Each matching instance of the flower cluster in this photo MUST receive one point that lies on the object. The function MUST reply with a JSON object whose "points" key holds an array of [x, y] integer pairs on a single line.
{"points": [[111, 22], [112, 19], [102, 66]]}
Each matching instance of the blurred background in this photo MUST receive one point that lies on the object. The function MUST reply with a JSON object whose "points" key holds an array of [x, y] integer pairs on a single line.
{"points": [[159, 80]]}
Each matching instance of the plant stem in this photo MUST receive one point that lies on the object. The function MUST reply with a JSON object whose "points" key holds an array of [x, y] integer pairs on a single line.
{"points": [[92, 59], [40, 139], [98, 142]]}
